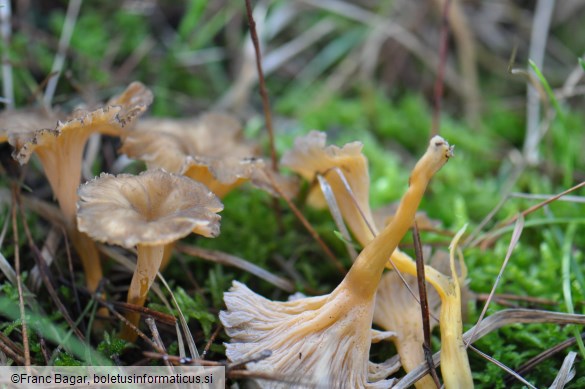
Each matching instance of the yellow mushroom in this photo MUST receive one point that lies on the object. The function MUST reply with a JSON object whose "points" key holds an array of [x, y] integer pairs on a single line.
{"points": [[310, 157], [326, 340], [146, 211], [60, 151]]}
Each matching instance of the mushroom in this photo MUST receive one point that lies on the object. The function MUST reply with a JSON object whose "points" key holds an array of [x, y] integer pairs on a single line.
{"points": [[60, 151], [310, 157], [209, 149], [146, 211], [327, 339]]}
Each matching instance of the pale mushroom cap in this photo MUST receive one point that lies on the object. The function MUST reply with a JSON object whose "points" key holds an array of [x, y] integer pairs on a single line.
{"points": [[152, 208], [20, 123], [211, 135], [209, 149]]}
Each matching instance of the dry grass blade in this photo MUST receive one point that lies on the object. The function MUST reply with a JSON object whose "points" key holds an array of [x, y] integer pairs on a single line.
{"points": [[5, 31], [540, 29], [182, 320], [356, 203], [45, 275], [498, 230], [566, 373], [502, 366], [333, 259], [70, 19], [546, 354], [180, 360], [492, 323], [11, 349], [231, 260], [424, 303], [336, 213], [513, 242], [156, 336], [391, 30], [19, 279]]}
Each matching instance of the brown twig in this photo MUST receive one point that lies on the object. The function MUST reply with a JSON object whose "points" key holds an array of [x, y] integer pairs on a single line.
{"points": [[424, 303], [530, 364], [265, 106], [18, 278], [211, 340], [262, 84], [306, 224], [156, 315], [44, 272], [438, 90]]}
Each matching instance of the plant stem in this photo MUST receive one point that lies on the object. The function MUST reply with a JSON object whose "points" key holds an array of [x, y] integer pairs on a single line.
{"points": [[147, 265], [364, 276]]}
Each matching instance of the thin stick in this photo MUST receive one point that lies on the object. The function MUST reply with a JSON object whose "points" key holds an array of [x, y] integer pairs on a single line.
{"points": [[424, 304], [70, 19], [19, 280], [6, 31], [503, 367], [262, 84], [306, 224], [266, 107], [211, 340], [543, 356], [438, 90]]}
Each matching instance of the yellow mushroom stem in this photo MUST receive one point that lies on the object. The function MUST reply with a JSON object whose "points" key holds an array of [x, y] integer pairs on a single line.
{"points": [[455, 367], [64, 177], [147, 265], [364, 276]]}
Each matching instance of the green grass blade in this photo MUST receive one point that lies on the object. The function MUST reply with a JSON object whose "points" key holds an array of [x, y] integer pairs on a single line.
{"points": [[566, 276], [547, 88]]}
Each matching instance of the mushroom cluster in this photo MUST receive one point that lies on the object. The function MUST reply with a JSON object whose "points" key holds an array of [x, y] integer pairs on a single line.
{"points": [[326, 340], [346, 171]]}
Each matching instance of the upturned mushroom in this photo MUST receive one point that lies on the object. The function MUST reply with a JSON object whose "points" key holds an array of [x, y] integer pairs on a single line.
{"points": [[326, 339], [146, 211], [60, 151]]}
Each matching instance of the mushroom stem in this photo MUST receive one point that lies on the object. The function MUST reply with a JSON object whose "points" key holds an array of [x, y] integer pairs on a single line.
{"points": [[62, 165], [364, 276], [90, 259], [147, 265]]}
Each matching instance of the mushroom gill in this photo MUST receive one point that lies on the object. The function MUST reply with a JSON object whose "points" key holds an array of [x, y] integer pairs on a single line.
{"points": [[326, 340]]}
